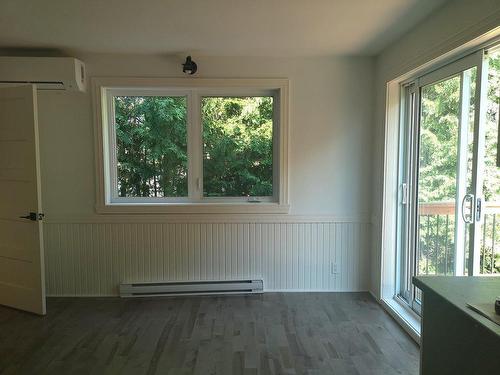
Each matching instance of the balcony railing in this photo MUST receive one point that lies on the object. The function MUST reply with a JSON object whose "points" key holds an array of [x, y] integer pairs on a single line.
{"points": [[437, 239]]}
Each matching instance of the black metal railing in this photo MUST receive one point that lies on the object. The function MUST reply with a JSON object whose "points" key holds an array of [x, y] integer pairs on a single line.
{"points": [[437, 239]]}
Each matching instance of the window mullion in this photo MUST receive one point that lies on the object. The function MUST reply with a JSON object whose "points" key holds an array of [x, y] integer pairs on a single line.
{"points": [[111, 152], [195, 154], [277, 157]]}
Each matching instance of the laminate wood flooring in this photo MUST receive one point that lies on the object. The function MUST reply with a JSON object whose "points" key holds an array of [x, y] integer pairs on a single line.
{"points": [[273, 333]]}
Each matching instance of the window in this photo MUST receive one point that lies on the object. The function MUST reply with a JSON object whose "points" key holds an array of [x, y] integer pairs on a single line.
{"points": [[191, 145]]}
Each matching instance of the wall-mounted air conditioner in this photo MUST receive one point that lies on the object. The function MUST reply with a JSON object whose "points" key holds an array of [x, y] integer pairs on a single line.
{"points": [[48, 73]]}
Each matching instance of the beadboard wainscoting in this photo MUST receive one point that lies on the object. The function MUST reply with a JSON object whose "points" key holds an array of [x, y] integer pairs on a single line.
{"points": [[92, 258]]}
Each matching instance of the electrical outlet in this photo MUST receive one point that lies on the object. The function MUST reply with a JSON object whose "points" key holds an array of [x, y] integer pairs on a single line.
{"points": [[333, 268]]}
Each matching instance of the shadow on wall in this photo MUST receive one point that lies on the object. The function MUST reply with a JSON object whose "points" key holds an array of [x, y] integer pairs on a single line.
{"points": [[400, 24], [34, 52]]}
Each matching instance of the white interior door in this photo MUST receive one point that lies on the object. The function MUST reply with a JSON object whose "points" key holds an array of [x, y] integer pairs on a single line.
{"points": [[22, 283]]}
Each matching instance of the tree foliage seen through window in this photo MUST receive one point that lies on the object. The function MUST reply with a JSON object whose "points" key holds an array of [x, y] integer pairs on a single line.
{"points": [[152, 151], [238, 146], [151, 144]]}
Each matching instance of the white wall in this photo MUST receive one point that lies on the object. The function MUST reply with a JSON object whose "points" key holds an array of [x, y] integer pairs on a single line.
{"points": [[458, 22], [329, 182]]}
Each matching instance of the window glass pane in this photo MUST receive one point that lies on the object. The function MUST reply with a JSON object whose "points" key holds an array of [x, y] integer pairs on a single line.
{"points": [[489, 256], [445, 170], [151, 146], [438, 161], [237, 146]]}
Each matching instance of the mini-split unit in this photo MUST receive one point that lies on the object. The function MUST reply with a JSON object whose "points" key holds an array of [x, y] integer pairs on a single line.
{"points": [[48, 73]]}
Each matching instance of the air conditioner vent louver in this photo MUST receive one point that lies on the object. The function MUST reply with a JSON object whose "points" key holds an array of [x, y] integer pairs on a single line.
{"points": [[184, 288]]}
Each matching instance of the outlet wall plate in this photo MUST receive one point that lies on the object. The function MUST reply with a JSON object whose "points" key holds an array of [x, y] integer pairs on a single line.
{"points": [[334, 268]]}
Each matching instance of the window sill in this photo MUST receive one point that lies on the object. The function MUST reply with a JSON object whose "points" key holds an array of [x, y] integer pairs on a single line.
{"points": [[193, 208], [408, 319]]}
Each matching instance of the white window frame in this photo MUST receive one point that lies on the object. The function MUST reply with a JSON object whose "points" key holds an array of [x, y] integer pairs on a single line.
{"points": [[108, 201]]}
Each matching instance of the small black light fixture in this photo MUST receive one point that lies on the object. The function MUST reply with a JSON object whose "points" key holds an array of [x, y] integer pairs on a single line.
{"points": [[189, 67]]}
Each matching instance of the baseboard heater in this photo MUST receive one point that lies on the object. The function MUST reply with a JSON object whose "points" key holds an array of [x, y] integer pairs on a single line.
{"points": [[186, 288]]}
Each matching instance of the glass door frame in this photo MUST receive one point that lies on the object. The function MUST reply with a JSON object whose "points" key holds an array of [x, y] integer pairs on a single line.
{"points": [[408, 170]]}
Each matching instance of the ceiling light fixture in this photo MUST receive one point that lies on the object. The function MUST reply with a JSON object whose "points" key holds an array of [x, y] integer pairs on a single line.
{"points": [[189, 67]]}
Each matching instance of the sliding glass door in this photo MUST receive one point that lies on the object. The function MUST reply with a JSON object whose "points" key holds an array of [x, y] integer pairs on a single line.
{"points": [[449, 185]]}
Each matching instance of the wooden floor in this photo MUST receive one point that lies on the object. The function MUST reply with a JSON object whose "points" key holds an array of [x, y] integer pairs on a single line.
{"points": [[274, 333]]}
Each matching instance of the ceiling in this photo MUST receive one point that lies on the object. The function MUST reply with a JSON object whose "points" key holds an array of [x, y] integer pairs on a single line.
{"points": [[210, 27]]}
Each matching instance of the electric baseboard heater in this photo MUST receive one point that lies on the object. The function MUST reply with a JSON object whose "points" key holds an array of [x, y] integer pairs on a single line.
{"points": [[190, 288]]}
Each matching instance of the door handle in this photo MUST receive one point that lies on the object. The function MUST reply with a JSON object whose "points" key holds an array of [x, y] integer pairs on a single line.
{"points": [[33, 216], [468, 218], [478, 209]]}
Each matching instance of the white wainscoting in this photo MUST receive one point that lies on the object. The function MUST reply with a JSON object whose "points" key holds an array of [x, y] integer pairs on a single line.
{"points": [[92, 258]]}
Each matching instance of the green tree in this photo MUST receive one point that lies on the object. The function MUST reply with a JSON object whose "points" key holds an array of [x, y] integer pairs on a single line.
{"points": [[238, 146], [151, 139], [151, 136]]}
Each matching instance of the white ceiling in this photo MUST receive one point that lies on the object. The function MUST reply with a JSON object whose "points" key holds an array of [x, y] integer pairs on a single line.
{"points": [[210, 27]]}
